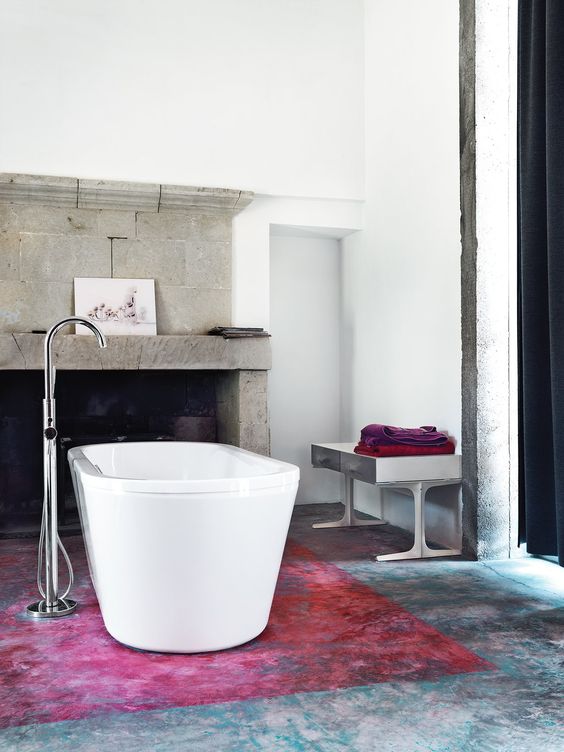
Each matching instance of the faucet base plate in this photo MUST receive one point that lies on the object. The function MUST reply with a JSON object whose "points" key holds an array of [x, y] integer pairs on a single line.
{"points": [[63, 607]]}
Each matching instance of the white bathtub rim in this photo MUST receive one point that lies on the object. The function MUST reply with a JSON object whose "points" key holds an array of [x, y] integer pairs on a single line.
{"points": [[285, 475]]}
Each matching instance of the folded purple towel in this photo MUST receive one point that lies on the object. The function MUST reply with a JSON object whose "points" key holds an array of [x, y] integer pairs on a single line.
{"points": [[377, 434]]}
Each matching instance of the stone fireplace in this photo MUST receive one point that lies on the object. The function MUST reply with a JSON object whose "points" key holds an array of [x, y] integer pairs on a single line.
{"points": [[180, 384]]}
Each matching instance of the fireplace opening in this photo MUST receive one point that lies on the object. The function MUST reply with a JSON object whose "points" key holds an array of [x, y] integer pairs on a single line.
{"points": [[92, 407]]}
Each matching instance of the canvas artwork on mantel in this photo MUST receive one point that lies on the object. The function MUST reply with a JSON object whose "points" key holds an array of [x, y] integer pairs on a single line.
{"points": [[118, 306]]}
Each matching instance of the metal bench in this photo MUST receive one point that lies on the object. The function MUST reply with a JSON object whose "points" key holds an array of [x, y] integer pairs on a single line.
{"points": [[416, 474]]}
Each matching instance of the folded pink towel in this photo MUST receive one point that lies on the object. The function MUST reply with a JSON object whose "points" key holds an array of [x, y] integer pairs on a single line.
{"points": [[377, 434]]}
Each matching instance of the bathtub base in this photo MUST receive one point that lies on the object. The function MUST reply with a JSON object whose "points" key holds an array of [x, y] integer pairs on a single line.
{"points": [[186, 649]]}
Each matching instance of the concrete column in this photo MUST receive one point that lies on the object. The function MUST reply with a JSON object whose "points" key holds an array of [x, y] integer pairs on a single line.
{"points": [[488, 36]]}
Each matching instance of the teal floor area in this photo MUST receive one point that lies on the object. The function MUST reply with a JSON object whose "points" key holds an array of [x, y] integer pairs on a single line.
{"points": [[508, 612]]}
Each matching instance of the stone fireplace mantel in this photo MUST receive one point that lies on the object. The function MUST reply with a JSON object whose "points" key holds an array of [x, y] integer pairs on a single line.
{"points": [[162, 351], [238, 368]]}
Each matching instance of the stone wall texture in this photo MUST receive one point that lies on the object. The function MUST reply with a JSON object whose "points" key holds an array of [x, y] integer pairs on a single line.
{"points": [[55, 229]]}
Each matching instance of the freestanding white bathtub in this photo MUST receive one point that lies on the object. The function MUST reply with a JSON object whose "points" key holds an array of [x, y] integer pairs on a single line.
{"points": [[184, 540]]}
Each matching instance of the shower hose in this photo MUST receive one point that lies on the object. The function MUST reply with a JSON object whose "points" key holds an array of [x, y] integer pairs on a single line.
{"points": [[40, 559]]}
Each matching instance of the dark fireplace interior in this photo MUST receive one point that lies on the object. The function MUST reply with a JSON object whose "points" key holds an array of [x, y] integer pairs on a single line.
{"points": [[92, 406]]}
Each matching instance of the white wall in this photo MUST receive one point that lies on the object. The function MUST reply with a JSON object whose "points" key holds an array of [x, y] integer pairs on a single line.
{"points": [[304, 384], [401, 299], [265, 95]]}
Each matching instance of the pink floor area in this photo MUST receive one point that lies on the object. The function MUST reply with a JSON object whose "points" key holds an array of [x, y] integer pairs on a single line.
{"points": [[327, 631]]}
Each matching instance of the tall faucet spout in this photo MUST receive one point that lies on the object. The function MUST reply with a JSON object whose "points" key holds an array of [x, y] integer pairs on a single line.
{"points": [[49, 370]]}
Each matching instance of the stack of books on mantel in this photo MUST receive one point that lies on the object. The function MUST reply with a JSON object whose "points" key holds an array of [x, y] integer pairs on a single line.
{"points": [[237, 332]]}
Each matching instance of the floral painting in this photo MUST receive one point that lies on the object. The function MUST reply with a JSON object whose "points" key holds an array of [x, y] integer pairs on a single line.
{"points": [[118, 306]]}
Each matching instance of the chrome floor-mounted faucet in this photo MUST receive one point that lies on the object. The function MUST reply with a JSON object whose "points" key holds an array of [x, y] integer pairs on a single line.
{"points": [[53, 604]]}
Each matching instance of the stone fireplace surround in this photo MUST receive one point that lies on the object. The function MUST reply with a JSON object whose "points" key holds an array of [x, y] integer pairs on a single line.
{"points": [[54, 229]]}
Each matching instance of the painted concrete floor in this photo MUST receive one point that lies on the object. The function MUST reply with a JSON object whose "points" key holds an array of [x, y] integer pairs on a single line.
{"points": [[510, 613]]}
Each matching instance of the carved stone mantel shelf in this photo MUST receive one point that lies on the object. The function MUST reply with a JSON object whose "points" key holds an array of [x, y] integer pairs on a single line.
{"points": [[117, 194], [162, 351]]}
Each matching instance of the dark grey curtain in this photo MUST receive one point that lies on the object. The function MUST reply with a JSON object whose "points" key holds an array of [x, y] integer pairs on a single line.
{"points": [[541, 273]]}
